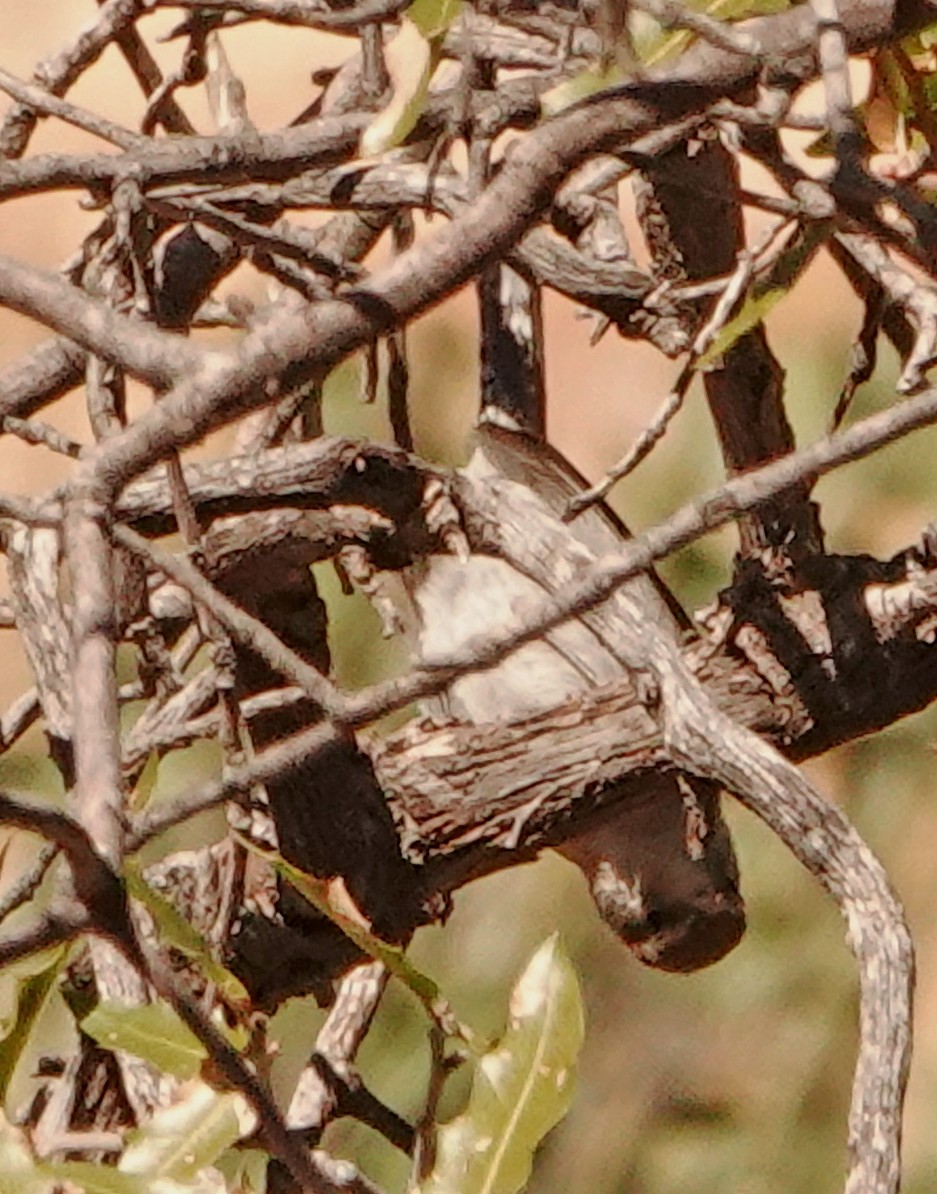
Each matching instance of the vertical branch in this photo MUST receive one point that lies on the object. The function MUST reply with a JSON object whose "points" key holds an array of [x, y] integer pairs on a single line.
{"points": [[512, 378], [97, 799], [398, 367], [692, 217], [512, 385], [98, 796]]}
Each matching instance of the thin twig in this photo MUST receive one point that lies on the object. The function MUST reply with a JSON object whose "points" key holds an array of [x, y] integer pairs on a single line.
{"points": [[297, 12], [144, 351], [246, 628], [424, 1154], [33, 431], [283, 239], [57, 73], [96, 885], [43, 102], [23, 890], [864, 355], [149, 76], [734, 290]]}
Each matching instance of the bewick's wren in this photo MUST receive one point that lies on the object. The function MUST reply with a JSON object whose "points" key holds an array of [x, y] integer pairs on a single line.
{"points": [[660, 865]]}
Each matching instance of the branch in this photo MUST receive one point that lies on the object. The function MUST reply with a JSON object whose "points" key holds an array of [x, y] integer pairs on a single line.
{"points": [[694, 519], [43, 102], [310, 1173], [58, 73], [296, 12], [96, 886], [154, 356], [191, 159], [308, 342], [40, 376], [57, 926]]}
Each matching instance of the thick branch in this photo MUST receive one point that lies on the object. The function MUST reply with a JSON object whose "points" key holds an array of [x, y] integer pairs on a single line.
{"points": [[154, 356], [191, 159]]}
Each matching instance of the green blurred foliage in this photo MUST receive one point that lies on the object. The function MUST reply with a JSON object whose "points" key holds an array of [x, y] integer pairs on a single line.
{"points": [[153, 1032]]}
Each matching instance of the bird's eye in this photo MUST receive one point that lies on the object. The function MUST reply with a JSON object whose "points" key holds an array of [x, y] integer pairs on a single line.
{"points": [[653, 920]]}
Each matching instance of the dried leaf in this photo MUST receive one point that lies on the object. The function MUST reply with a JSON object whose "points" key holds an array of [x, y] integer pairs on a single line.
{"points": [[316, 893]]}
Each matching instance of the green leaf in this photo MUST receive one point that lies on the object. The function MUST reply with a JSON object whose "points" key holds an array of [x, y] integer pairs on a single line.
{"points": [[753, 311], [653, 47], [93, 1179], [19, 1173], [411, 60], [244, 1169], [146, 781], [153, 1032], [579, 87], [32, 982], [665, 45], [182, 1140], [411, 57], [521, 1089], [176, 931], [434, 17]]}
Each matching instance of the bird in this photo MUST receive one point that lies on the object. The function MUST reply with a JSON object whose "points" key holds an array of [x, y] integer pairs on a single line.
{"points": [[660, 865]]}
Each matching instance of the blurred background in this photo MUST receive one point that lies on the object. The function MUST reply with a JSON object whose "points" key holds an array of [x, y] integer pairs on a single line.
{"points": [[734, 1079]]}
